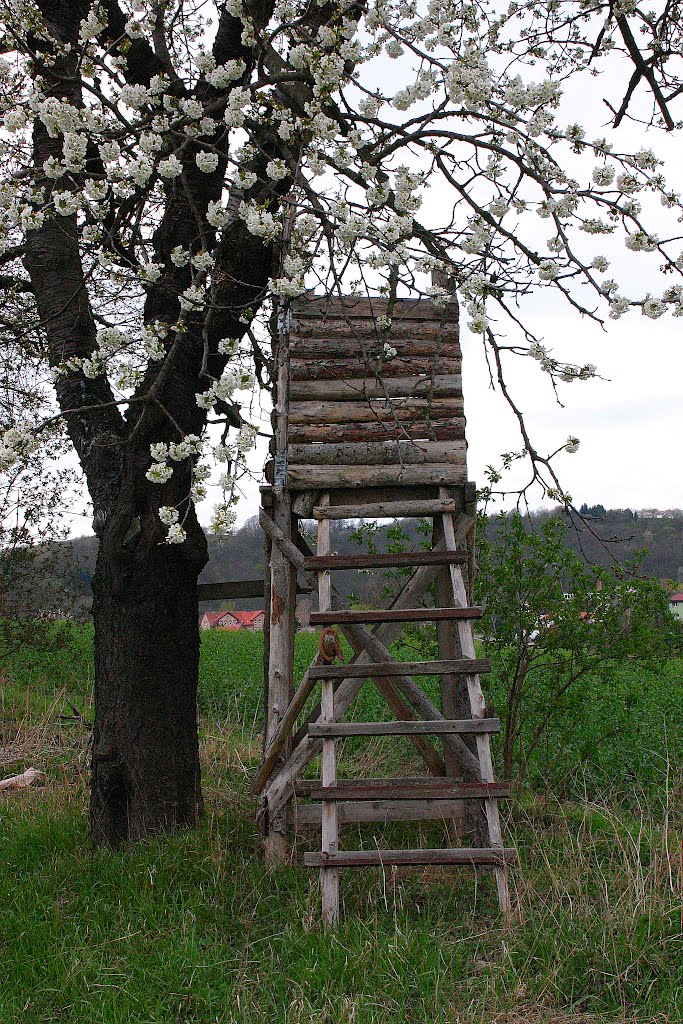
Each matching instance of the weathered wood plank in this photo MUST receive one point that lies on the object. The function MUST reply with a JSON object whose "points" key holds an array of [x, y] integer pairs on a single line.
{"points": [[462, 725], [366, 331], [422, 428], [278, 537], [361, 388], [373, 306], [386, 559], [227, 591], [397, 858], [329, 877], [304, 477], [280, 738], [404, 668], [357, 811], [372, 409], [304, 368], [380, 453], [477, 710], [386, 509], [340, 344], [280, 686], [403, 789], [449, 685], [393, 615], [236, 589]]}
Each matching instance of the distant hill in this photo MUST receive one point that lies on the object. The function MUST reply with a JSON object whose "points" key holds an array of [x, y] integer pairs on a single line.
{"points": [[604, 536]]}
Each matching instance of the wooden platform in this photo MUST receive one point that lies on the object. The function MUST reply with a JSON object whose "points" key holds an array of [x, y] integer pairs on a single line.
{"points": [[375, 396]]}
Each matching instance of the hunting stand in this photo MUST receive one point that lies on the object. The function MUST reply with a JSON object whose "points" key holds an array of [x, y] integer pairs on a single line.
{"points": [[368, 423]]}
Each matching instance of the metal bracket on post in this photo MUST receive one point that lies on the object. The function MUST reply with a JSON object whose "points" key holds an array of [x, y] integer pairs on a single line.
{"points": [[280, 469]]}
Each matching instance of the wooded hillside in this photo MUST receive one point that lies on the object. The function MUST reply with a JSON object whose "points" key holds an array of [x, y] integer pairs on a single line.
{"points": [[604, 537]]}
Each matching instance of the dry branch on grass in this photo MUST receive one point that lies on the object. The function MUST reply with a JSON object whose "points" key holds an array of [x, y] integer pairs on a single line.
{"points": [[21, 781]]}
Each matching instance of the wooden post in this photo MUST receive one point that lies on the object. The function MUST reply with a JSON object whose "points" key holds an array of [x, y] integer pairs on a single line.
{"points": [[451, 706], [282, 592], [478, 710], [329, 877], [267, 551]]}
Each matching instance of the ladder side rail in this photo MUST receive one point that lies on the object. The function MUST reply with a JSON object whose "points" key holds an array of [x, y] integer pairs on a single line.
{"points": [[478, 709], [329, 877]]}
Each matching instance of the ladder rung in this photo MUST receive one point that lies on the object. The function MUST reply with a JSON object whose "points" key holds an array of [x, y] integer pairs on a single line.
{"points": [[405, 789], [370, 858], [463, 666], [359, 811], [434, 728], [386, 509], [392, 615], [386, 560]]}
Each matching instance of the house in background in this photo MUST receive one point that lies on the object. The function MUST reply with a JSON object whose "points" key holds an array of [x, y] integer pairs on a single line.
{"points": [[676, 604], [250, 622]]}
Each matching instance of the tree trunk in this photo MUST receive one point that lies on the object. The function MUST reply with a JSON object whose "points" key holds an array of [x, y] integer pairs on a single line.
{"points": [[145, 762]]}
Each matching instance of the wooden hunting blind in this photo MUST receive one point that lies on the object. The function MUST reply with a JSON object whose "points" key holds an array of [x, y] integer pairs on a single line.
{"points": [[369, 423]]}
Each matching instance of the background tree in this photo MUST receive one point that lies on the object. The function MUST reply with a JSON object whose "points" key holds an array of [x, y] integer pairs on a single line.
{"points": [[36, 483], [551, 619], [150, 152]]}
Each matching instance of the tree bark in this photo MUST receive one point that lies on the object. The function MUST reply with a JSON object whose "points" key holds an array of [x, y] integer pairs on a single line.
{"points": [[145, 761]]}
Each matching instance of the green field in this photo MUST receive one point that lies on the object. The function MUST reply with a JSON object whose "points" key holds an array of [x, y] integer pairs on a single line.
{"points": [[192, 928]]}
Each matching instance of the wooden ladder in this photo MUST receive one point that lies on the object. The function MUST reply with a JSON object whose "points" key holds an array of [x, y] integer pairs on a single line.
{"points": [[413, 798]]}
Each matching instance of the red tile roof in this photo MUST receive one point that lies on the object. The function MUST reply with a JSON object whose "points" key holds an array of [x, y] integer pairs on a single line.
{"points": [[247, 618], [230, 619], [213, 618]]}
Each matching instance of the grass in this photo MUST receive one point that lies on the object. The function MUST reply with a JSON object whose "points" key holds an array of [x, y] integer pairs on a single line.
{"points": [[191, 928]]}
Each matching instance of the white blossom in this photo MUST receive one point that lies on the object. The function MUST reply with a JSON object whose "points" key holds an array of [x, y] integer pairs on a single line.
{"points": [[548, 270], [276, 169], [217, 215], [180, 257], [176, 534], [202, 260], [149, 272], [168, 515], [135, 96], [66, 203], [192, 298], [235, 112], [224, 74], [136, 28], [259, 222], [171, 167], [93, 25], [246, 438], [653, 308], [159, 473], [603, 175], [223, 519], [640, 241], [192, 109], [207, 162], [109, 151]]}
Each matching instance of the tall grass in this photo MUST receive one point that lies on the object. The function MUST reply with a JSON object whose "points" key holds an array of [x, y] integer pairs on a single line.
{"points": [[193, 928]]}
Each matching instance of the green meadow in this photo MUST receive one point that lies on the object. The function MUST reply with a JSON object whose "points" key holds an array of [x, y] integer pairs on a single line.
{"points": [[194, 928]]}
